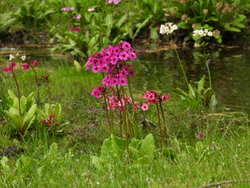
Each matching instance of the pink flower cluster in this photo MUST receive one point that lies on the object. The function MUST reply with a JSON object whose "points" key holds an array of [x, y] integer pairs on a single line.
{"points": [[118, 103], [112, 62], [31, 63], [67, 9], [154, 98], [49, 120], [25, 66], [114, 1], [78, 28], [99, 91], [10, 68]]}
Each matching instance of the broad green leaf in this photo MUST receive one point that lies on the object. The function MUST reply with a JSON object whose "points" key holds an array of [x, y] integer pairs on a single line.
{"points": [[148, 148], [191, 92], [201, 85], [122, 20], [30, 114], [77, 66]]}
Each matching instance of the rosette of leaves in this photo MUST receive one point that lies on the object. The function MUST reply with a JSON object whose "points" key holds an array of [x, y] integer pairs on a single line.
{"points": [[199, 95], [114, 151], [21, 122]]}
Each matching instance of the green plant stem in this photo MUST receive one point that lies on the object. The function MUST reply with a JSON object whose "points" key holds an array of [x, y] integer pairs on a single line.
{"points": [[107, 113], [165, 126], [37, 84], [18, 94], [209, 75], [182, 68], [159, 125]]}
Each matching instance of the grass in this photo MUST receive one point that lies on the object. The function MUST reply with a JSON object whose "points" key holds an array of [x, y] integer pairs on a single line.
{"points": [[64, 160]]}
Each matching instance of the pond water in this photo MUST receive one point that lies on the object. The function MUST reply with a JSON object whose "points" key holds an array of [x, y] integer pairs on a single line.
{"points": [[230, 70]]}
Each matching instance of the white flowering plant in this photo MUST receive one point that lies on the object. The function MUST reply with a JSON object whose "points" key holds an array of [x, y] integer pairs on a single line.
{"points": [[203, 34]]}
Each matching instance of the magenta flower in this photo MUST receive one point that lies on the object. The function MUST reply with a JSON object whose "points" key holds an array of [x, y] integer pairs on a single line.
{"points": [[13, 64], [35, 63], [78, 28], [25, 66], [201, 135], [8, 69], [71, 28], [144, 107], [96, 93]]}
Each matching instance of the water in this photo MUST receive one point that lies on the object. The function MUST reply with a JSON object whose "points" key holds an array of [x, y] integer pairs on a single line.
{"points": [[230, 70]]}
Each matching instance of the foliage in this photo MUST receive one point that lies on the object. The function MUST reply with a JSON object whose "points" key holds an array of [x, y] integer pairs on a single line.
{"points": [[114, 151], [199, 95], [32, 14], [21, 122], [220, 16]]}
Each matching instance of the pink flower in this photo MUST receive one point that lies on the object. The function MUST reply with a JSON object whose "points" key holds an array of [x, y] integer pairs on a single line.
{"points": [[144, 107], [136, 106], [8, 69], [126, 46], [13, 64], [201, 135], [35, 63], [164, 97], [78, 28], [96, 93], [71, 28], [123, 56], [25, 66]]}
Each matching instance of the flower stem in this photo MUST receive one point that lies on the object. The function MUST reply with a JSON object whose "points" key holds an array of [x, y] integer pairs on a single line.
{"points": [[165, 126], [37, 84], [159, 125], [182, 68], [18, 94]]}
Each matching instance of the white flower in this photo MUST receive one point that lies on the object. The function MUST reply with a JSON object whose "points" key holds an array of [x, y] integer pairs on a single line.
{"points": [[11, 57], [210, 33], [162, 29], [23, 57], [168, 28]]}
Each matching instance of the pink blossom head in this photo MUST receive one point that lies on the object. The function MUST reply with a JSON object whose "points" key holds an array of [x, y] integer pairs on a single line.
{"points": [[78, 28], [126, 46], [201, 135], [25, 66], [164, 97], [71, 28], [8, 69], [35, 63], [144, 107], [78, 17], [136, 106], [13, 64], [96, 93]]}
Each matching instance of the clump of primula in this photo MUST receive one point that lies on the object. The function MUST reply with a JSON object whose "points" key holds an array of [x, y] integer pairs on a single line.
{"points": [[155, 98], [49, 120], [168, 28], [112, 61], [202, 33]]}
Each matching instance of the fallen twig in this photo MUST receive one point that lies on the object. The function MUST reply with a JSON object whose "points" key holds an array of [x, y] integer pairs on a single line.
{"points": [[222, 183]]}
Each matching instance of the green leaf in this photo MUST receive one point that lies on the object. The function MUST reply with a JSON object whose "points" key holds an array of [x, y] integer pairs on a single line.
{"points": [[201, 85], [183, 25], [77, 66], [191, 92], [148, 148], [121, 21], [30, 115], [153, 33]]}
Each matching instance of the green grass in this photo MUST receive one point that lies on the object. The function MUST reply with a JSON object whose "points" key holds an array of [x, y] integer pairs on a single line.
{"points": [[51, 160]]}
